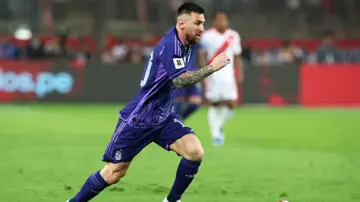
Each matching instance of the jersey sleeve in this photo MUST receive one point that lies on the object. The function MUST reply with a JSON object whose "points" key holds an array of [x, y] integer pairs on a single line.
{"points": [[174, 64], [237, 44]]}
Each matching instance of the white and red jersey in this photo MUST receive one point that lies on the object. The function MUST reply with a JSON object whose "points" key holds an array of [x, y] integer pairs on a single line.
{"points": [[214, 42]]}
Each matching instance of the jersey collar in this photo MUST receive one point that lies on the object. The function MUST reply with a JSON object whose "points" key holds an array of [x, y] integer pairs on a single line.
{"points": [[184, 49]]}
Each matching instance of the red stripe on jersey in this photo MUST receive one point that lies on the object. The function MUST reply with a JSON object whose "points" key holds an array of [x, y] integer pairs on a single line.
{"points": [[223, 47]]}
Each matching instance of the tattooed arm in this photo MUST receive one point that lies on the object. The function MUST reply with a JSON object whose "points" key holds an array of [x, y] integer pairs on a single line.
{"points": [[190, 78]]}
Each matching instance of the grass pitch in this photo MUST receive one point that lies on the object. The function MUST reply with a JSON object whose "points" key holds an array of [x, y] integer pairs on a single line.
{"points": [[302, 155]]}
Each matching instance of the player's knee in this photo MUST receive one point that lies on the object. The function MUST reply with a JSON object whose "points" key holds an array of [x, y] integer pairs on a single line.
{"points": [[231, 104], [117, 176], [215, 104], [195, 154], [113, 173]]}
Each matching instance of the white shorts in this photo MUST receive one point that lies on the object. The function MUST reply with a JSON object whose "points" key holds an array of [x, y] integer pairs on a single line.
{"points": [[217, 91]]}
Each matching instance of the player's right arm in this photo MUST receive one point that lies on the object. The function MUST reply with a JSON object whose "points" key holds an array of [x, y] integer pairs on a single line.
{"points": [[192, 77]]}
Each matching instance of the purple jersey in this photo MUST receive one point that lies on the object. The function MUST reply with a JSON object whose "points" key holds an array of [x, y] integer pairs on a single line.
{"points": [[154, 102], [193, 64]]}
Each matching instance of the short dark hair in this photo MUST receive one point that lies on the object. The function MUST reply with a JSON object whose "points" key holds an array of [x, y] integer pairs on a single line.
{"points": [[218, 12], [189, 7]]}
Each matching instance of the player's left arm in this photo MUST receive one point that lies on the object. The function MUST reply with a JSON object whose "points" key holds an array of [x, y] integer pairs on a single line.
{"points": [[238, 61], [192, 77]]}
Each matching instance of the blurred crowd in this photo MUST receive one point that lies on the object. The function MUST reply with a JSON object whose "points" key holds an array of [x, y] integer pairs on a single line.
{"points": [[129, 29], [46, 48], [134, 51], [327, 51], [115, 50]]}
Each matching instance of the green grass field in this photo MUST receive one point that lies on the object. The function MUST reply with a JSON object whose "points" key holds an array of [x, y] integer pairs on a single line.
{"points": [[302, 155]]}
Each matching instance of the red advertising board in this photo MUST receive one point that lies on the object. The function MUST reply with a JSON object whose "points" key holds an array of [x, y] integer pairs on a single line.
{"points": [[330, 85], [31, 80]]}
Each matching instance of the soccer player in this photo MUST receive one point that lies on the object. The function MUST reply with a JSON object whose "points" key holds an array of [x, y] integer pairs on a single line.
{"points": [[221, 87], [189, 98], [150, 117]]}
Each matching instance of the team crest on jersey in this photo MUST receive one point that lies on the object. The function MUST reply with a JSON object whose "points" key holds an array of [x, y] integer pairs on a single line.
{"points": [[118, 155], [178, 63]]}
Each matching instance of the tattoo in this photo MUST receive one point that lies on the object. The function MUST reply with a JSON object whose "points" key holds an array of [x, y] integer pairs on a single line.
{"points": [[189, 78]]}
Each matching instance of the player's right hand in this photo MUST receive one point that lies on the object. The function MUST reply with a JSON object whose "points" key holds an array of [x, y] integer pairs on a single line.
{"points": [[220, 61]]}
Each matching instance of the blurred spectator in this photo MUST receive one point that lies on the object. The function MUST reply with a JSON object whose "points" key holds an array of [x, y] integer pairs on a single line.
{"points": [[355, 56], [146, 45], [288, 53], [265, 57], [8, 50], [140, 52], [136, 56], [106, 57], [82, 50], [52, 47], [35, 49], [62, 33], [81, 53], [116, 53], [328, 52]]}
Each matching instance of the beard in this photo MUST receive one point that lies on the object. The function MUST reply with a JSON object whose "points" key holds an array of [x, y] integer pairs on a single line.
{"points": [[192, 39]]}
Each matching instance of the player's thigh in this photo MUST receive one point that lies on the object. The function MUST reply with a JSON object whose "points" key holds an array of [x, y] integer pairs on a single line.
{"points": [[229, 94], [126, 143], [213, 95], [178, 137], [189, 147]]}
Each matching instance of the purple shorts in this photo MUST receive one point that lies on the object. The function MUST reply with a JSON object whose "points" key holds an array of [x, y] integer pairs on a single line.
{"points": [[128, 141], [194, 90]]}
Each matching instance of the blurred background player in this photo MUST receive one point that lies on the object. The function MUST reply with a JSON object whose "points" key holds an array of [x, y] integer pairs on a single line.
{"points": [[221, 87], [189, 98]]}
